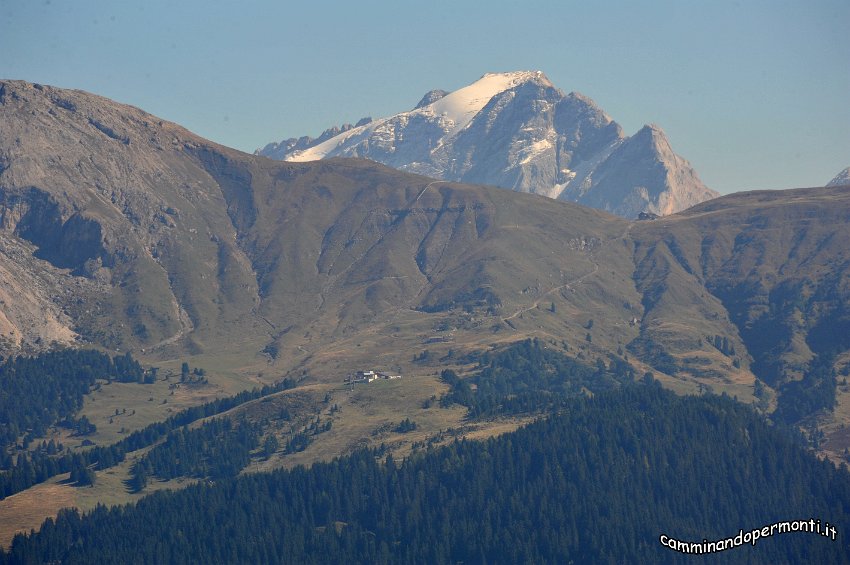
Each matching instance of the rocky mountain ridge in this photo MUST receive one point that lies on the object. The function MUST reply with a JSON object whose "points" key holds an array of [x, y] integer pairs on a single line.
{"points": [[841, 179]]}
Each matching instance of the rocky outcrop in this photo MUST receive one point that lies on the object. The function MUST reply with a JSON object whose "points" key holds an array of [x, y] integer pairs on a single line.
{"points": [[430, 97], [642, 175], [287, 146], [841, 179], [65, 239]]}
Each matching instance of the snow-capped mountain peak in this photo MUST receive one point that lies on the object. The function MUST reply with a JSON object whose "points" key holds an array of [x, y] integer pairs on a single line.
{"points": [[841, 179], [518, 131], [452, 112], [460, 106]]}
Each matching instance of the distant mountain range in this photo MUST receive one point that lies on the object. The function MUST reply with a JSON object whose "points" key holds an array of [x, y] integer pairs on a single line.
{"points": [[518, 131]]}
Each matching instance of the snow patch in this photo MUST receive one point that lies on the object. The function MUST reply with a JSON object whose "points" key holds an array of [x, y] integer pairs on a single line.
{"points": [[324, 149], [535, 149], [460, 106]]}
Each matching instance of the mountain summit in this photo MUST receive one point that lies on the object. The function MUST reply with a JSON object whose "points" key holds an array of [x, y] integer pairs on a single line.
{"points": [[841, 179], [517, 130]]}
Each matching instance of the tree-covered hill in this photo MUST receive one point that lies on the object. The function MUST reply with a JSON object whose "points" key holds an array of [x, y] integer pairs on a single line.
{"points": [[597, 483]]}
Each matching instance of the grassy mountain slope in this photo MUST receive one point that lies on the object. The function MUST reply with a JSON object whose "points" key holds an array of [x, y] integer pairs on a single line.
{"points": [[771, 272]]}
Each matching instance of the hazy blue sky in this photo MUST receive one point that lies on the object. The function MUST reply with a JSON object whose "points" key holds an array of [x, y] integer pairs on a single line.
{"points": [[756, 94]]}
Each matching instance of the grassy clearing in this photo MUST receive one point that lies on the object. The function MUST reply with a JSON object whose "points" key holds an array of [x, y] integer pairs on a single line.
{"points": [[137, 406], [27, 510], [368, 414]]}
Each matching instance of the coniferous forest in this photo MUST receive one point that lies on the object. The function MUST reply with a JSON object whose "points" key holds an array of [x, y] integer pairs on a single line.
{"points": [[598, 482], [37, 391], [60, 380]]}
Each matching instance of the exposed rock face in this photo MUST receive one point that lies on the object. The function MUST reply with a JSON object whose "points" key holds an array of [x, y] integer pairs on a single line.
{"points": [[35, 299], [642, 174], [517, 131], [104, 197], [841, 179], [279, 150], [430, 97]]}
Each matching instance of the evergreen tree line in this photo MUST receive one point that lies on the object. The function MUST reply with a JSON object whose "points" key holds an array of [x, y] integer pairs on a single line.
{"points": [[299, 441], [527, 377], [217, 449], [40, 466], [598, 482], [39, 391], [816, 391]]}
